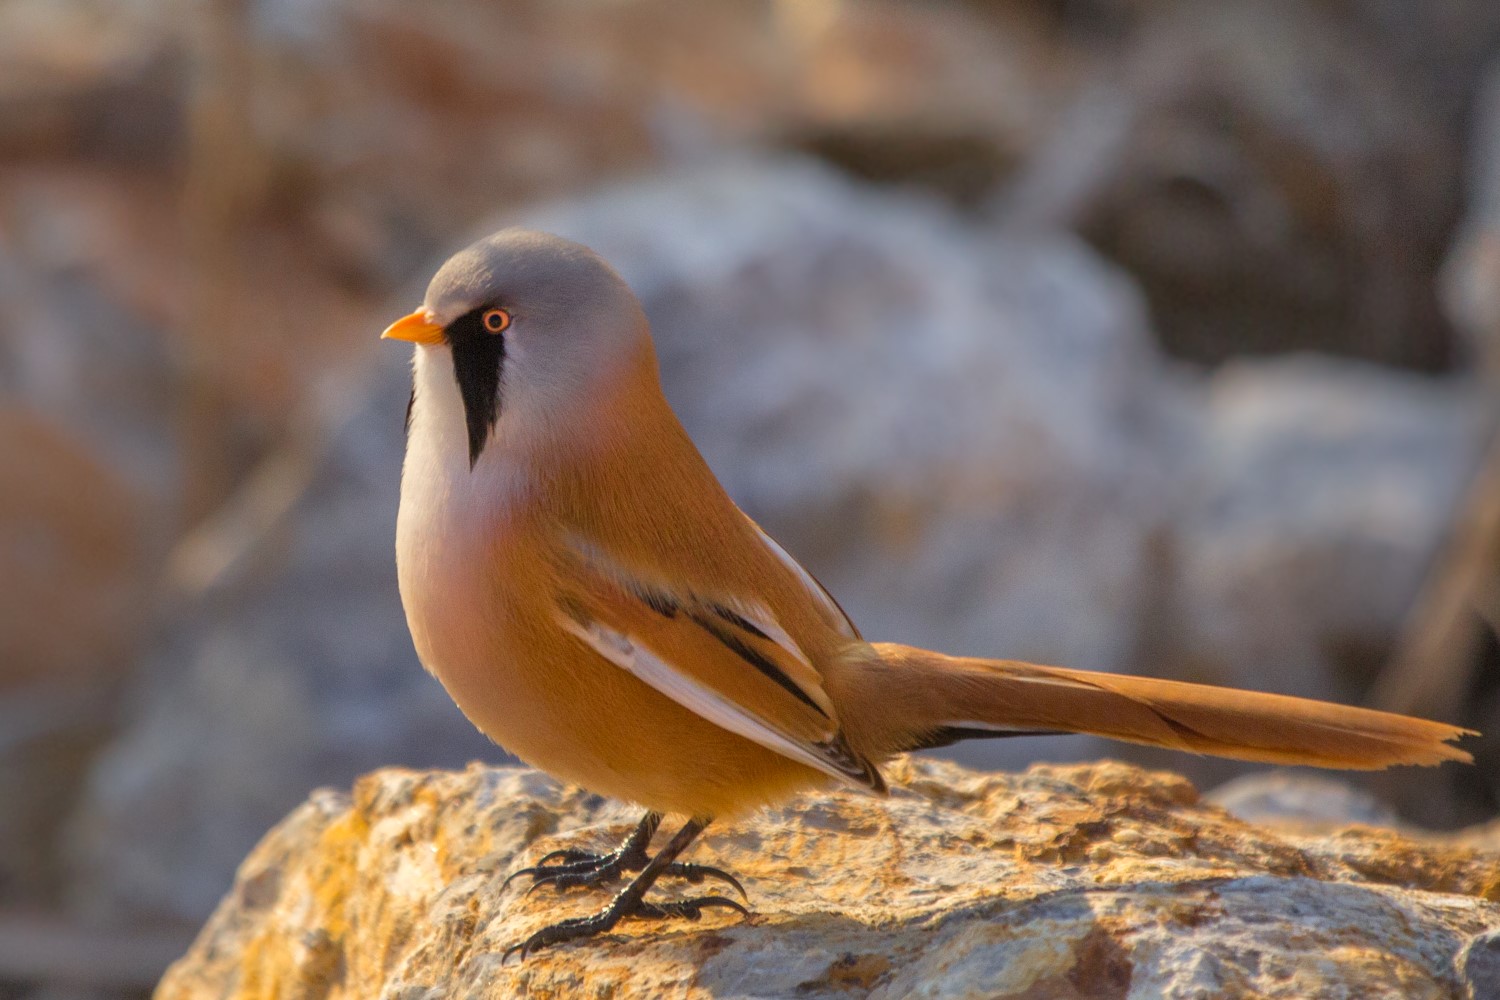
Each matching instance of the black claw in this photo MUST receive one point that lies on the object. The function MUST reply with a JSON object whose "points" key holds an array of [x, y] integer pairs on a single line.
{"points": [[694, 874], [587, 868], [578, 868], [569, 856], [689, 909], [583, 869], [564, 930], [562, 881], [535, 872], [578, 928]]}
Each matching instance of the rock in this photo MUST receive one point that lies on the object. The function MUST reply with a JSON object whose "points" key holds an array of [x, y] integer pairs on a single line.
{"points": [[1299, 799], [1096, 881], [949, 99], [1470, 285], [1479, 965], [85, 78], [1320, 491], [1287, 181], [70, 529], [79, 346], [587, 91]]}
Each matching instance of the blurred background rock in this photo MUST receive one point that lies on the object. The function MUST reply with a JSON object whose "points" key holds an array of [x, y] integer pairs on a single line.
{"points": [[1147, 336]]}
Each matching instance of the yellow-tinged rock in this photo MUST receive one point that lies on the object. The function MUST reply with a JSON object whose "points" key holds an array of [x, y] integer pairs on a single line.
{"points": [[1101, 881]]}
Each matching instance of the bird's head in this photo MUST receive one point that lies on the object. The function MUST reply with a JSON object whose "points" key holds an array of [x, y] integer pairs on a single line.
{"points": [[530, 325]]}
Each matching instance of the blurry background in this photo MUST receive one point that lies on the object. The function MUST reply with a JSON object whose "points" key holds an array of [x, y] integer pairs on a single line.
{"points": [[1142, 335]]}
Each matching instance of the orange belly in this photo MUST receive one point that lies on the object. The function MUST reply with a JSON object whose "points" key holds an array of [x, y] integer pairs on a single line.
{"points": [[563, 708]]}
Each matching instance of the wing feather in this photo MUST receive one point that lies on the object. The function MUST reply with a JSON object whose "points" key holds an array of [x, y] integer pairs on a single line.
{"points": [[703, 700], [723, 657]]}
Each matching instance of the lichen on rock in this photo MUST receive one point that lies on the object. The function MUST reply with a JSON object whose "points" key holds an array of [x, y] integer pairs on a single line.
{"points": [[1099, 880]]}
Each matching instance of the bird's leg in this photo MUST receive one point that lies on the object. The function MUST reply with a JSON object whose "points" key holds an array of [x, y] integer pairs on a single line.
{"points": [[630, 902], [583, 868], [587, 868]]}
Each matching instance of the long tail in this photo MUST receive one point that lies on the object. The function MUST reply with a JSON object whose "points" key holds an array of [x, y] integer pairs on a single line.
{"points": [[913, 698]]}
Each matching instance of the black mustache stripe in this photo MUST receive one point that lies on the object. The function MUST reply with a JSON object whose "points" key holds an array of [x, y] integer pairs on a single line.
{"points": [[479, 367]]}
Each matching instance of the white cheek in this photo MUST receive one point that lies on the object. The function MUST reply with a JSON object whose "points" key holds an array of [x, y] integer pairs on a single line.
{"points": [[438, 431], [551, 381], [437, 479], [449, 512]]}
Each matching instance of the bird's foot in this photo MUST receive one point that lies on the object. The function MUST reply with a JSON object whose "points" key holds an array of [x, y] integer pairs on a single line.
{"points": [[582, 868], [626, 904]]}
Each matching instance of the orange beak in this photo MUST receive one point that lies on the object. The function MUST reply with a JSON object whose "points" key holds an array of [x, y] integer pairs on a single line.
{"points": [[418, 328]]}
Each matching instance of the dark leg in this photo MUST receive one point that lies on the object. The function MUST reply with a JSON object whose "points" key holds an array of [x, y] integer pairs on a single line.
{"points": [[630, 901], [592, 869], [581, 868]]}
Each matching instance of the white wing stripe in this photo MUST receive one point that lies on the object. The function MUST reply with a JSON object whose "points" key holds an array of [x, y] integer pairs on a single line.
{"points": [[623, 652], [754, 612]]}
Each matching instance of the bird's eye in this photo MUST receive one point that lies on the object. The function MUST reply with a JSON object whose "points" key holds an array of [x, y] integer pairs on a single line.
{"points": [[495, 320]]}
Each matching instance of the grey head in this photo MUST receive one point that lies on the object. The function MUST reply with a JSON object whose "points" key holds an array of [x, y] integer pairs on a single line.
{"points": [[532, 322]]}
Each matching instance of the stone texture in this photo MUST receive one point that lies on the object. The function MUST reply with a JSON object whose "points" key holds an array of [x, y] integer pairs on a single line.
{"points": [[1080, 881], [1288, 175], [1301, 799], [1318, 493], [1479, 965]]}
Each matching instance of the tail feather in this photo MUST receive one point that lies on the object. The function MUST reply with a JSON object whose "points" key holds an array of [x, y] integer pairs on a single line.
{"points": [[942, 694]]}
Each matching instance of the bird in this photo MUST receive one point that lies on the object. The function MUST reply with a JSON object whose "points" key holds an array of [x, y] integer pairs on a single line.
{"points": [[592, 599]]}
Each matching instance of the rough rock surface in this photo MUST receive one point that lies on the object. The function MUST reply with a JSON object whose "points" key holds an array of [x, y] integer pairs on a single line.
{"points": [[1098, 881], [1285, 174]]}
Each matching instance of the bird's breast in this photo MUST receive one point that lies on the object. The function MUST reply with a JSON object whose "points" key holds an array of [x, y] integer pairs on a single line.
{"points": [[479, 581], [454, 532]]}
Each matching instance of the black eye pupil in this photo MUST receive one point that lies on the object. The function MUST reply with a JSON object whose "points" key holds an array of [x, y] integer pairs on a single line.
{"points": [[496, 320]]}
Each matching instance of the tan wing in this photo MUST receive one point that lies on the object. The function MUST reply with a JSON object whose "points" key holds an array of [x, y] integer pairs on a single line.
{"points": [[722, 656]]}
